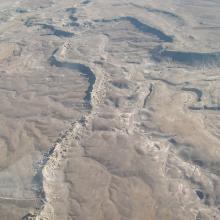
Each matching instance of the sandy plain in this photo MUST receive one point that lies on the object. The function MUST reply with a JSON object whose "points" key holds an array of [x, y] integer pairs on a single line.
{"points": [[110, 110]]}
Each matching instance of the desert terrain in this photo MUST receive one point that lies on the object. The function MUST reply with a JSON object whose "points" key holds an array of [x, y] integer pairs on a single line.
{"points": [[110, 110]]}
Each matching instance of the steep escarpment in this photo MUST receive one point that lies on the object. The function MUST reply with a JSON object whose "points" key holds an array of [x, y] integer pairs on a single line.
{"points": [[141, 27], [109, 110], [84, 70], [195, 59]]}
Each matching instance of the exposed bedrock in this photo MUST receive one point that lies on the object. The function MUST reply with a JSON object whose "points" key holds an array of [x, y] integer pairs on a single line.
{"points": [[139, 119], [142, 27], [83, 69], [56, 31], [195, 59], [160, 12], [51, 29], [71, 11]]}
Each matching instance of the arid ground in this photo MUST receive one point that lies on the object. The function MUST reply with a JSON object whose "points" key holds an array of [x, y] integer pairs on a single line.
{"points": [[110, 110]]}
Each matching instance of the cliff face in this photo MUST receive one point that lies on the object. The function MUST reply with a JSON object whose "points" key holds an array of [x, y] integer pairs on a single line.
{"points": [[109, 110]]}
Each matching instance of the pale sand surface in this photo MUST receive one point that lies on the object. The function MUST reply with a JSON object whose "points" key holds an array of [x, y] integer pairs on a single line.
{"points": [[110, 110]]}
